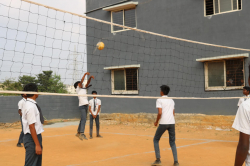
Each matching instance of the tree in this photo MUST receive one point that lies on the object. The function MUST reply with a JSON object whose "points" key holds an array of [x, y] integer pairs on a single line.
{"points": [[10, 84], [56, 86], [50, 83], [46, 82], [24, 80]]}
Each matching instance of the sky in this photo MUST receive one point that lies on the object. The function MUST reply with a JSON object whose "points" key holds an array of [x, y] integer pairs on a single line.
{"points": [[74, 6], [34, 39]]}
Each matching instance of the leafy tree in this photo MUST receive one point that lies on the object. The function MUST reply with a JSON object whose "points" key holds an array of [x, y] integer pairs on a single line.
{"points": [[10, 84], [24, 80], [56, 86], [46, 82]]}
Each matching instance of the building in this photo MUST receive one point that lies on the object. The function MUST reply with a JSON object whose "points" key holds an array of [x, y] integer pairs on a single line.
{"points": [[191, 70]]}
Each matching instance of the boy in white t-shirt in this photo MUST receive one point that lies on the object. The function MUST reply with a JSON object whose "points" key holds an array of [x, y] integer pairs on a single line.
{"points": [[83, 105], [242, 124], [94, 111], [246, 90], [165, 115], [20, 108], [33, 121]]}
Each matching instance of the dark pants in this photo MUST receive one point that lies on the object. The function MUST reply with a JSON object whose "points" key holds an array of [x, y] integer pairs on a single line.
{"points": [[31, 158], [159, 132], [20, 140], [84, 111], [91, 119]]}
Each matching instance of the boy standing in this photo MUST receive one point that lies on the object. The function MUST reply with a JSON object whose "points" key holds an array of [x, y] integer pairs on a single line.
{"points": [[246, 90], [83, 105], [94, 111], [20, 108], [32, 127], [242, 124], [167, 122]]}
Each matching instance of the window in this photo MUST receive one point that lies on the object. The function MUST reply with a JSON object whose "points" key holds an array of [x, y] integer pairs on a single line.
{"points": [[221, 6], [124, 81], [126, 17], [224, 74]]}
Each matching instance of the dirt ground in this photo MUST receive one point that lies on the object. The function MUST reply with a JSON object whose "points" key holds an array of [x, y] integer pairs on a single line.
{"points": [[201, 140]]}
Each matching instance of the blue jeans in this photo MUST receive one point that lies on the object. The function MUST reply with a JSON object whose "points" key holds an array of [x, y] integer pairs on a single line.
{"points": [[20, 140], [159, 132], [84, 111], [91, 119], [31, 158]]}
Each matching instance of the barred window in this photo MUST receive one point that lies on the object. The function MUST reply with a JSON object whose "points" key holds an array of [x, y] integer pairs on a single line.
{"points": [[225, 74], [125, 81], [221, 6], [123, 17]]}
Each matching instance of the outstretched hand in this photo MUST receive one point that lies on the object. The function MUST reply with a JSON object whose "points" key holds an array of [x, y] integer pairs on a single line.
{"points": [[92, 77], [87, 73]]}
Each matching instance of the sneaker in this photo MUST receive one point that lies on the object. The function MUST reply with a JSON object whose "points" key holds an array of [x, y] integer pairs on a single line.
{"points": [[99, 136], [77, 134], [82, 137], [19, 145], [157, 162], [176, 163], [90, 137]]}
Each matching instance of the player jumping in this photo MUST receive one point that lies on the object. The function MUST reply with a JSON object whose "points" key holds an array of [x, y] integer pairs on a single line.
{"points": [[83, 105]]}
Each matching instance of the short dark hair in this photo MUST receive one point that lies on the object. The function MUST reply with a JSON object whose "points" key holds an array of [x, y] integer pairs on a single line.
{"points": [[247, 88], [94, 92], [31, 87], [165, 89], [76, 84]]}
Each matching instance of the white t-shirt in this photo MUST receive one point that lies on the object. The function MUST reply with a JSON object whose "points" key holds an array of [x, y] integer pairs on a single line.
{"points": [[97, 103], [167, 106], [21, 103], [242, 122], [83, 100], [31, 115], [242, 99]]}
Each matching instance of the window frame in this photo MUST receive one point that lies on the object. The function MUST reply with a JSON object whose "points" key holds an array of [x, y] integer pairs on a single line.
{"points": [[125, 79], [112, 26], [219, 88], [219, 8]]}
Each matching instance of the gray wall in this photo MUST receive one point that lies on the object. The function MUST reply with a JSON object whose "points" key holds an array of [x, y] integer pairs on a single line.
{"points": [[67, 107], [53, 107], [163, 61], [167, 61], [185, 19]]}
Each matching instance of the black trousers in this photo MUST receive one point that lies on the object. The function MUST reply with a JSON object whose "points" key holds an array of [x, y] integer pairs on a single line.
{"points": [[31, 158], [97, 122], [159, 132]]}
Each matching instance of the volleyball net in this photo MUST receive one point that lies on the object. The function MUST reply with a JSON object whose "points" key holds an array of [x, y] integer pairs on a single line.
{"points": [[54, 48]]}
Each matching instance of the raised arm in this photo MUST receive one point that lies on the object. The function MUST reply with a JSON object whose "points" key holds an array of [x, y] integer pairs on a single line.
{"points": [[92, 77], [80, 84]]}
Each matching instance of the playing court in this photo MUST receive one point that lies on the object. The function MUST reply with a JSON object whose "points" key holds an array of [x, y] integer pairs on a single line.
{"points": [[123, 145]]}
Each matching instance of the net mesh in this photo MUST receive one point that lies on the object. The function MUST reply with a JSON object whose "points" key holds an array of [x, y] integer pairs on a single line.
{"points": [[35, 40]]}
